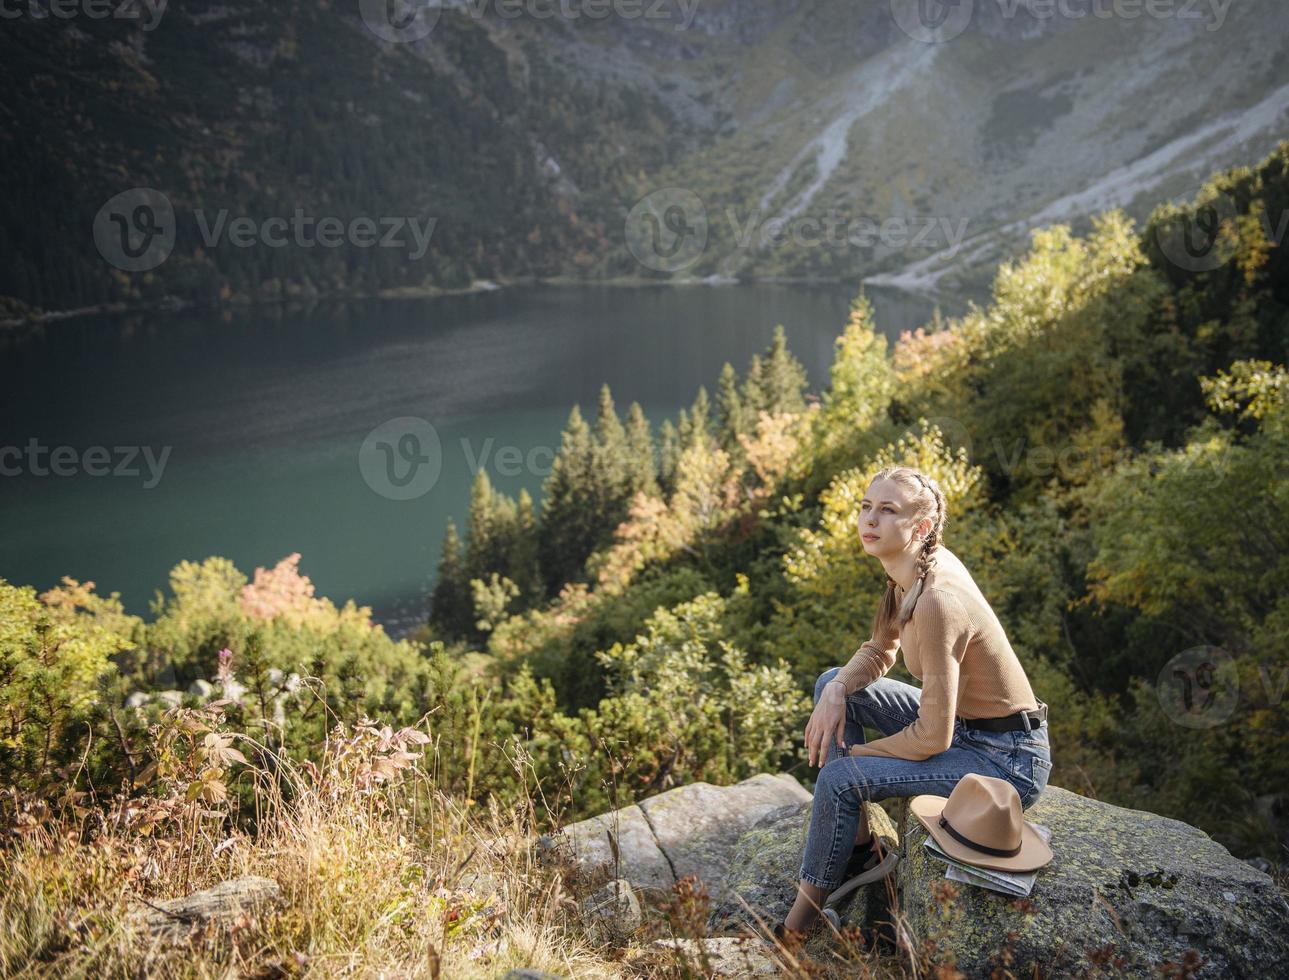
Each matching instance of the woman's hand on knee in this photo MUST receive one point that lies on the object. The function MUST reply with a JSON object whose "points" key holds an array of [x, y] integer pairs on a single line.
{"points": [[827, 724]]}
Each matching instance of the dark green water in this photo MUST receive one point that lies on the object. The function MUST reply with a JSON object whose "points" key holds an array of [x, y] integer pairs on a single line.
{"points": [[255, 421]]}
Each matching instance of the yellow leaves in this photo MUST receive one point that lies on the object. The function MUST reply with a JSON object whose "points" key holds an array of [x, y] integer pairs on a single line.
{"points": [[773, 449], [208, 787], [1249, 387], [219, 749]]}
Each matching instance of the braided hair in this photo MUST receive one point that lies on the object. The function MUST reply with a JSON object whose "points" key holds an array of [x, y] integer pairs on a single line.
{"points": [[929, 502]]}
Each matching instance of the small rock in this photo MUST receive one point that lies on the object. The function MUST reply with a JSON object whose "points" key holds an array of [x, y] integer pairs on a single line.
{"points": [[176, 918], [616, 902], [201, 688], [528, 973], [137, 699], [726, 956], [481, 883], [171, 699], [233, 689]]}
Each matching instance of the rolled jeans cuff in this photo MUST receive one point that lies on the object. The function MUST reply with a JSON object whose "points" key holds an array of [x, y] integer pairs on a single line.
{"points": [[812, 880]]}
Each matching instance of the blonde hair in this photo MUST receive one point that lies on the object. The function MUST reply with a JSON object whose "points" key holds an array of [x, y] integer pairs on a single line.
{"points": [[928, 501]]}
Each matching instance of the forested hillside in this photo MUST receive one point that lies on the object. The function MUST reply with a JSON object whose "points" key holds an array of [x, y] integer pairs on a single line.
{"points": [[261, 110]]}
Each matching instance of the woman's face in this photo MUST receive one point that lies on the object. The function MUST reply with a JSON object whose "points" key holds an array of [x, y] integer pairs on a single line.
{"points": [[885, 521]]}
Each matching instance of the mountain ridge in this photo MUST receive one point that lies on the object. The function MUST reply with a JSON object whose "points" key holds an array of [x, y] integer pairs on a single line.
{"points": [[531, 139]]}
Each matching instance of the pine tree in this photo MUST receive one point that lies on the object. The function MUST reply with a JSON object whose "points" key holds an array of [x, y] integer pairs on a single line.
{"points": [[643, 473], [524, 566], [567, 527], [861, 383], [731, 417], [668, 455], [861, 386], [451, 612], [610, 462], [695, 426], [784, 378], [754, 399], [490, 522]]}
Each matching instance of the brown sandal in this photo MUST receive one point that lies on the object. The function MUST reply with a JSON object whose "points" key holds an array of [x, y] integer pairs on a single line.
{"points": [[866, 865]]}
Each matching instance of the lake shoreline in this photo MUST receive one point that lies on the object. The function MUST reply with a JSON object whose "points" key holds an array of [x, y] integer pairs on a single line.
{"points": [[13, 326]]}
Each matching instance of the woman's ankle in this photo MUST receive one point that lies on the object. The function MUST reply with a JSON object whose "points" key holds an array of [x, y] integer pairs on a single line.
{"points": [[807, 919]]}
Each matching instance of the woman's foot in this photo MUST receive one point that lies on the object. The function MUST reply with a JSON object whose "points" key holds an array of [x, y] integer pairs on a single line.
{"points": [[788, 937]]}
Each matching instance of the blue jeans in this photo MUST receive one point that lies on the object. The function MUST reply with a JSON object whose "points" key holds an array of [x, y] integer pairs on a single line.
{"points": [[1022, 758]]}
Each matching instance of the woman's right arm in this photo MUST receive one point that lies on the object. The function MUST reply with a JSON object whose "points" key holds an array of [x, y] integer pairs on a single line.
{"points": [[871, 661]]}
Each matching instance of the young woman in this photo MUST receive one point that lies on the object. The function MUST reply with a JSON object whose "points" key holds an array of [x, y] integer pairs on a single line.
{"points": [[975, 711]]}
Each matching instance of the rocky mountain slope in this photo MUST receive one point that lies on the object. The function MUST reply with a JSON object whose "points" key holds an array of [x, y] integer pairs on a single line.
{"points": [[650, 138]]}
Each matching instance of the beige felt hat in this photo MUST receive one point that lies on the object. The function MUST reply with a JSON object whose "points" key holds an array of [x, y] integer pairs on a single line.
{"points": [[981, 822]]}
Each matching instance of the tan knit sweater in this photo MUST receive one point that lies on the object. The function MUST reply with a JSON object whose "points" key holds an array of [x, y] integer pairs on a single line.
{"points": [[956, 647]]}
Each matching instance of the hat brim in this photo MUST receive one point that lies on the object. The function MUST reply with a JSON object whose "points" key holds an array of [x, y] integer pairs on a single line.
{"points": [[1033, 854]]}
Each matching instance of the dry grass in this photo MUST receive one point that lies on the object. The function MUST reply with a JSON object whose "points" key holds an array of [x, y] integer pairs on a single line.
{"points": [[380, 875]]}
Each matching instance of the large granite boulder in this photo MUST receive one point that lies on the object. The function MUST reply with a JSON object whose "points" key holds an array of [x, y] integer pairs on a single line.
{"points": [[691, 829], [1127, 890], [761, 881]]}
